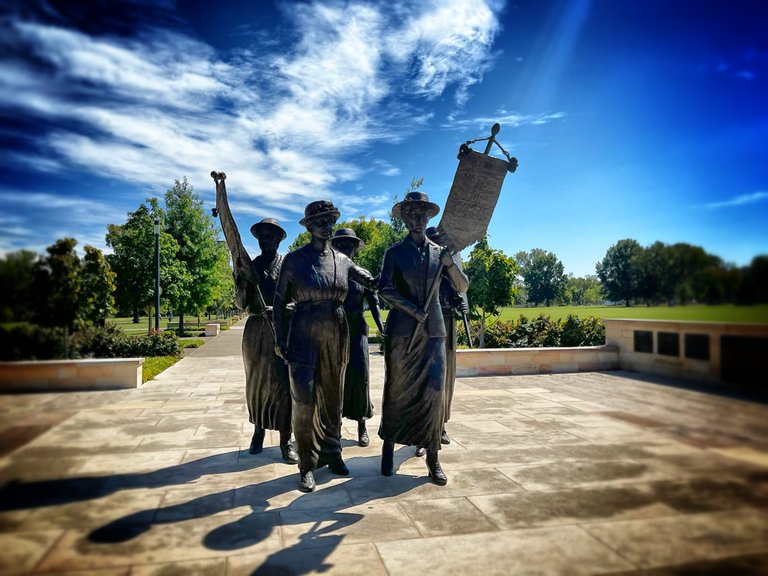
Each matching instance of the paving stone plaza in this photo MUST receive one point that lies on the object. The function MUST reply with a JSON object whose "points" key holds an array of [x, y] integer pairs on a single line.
{"points": [[592, 473]]}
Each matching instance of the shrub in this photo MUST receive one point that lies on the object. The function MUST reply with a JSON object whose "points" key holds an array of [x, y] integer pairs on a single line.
{"points": [[153, 344], [31, 342], [539, 332], [91, 341]]}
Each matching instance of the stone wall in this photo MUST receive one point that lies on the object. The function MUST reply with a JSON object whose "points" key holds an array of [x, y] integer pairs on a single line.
{"points": [[503, 361], [52, 375], [710, 352]]}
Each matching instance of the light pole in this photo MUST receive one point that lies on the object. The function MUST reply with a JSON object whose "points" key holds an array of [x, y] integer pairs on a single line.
{"points": [[157, 274]]}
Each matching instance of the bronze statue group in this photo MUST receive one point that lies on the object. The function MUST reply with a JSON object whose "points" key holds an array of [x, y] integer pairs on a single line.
{"points": [[305, 343]]}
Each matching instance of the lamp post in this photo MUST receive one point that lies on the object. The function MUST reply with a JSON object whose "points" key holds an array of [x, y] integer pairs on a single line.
{"points": [[157, 274]]}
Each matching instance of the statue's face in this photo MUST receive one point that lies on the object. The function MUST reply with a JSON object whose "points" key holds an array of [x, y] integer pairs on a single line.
{"points": [[269, 238], [416, 218], [321, 228], [346, 246]]}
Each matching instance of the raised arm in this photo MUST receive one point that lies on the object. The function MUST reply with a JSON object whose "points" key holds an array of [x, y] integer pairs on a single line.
{"points": [[240, 259]]}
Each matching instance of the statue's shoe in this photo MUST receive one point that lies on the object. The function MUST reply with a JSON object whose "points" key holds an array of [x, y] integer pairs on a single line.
{"points": [[307, 482]]}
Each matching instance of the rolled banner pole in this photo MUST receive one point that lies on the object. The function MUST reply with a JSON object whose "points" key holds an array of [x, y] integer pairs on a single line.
{"points": [[430, 296], [466, 327]]}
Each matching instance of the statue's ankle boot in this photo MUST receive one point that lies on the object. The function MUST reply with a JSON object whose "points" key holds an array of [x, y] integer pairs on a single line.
{"points": [[257, 441], [286, 448], [420, 451], [435, 471], [388, 458], [362, 434], [338, 467], [444, 438], [307, 481]]}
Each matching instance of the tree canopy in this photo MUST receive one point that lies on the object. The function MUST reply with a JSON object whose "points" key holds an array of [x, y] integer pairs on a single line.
{"points": [[543, 275], [491, 276]]}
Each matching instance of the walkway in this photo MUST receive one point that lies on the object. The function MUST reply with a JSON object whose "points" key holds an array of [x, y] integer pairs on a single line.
{"points": [[600, 473]]}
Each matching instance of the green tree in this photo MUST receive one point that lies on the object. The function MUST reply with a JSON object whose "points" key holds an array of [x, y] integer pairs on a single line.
{"points": [[17, 276], [223, 293], [57, 285], [650, 272], [617, 270], [543, 275], [196, 235], [753, 285], [133, 258], [582, 291], [98, 286], [491, 276], [688, 274]]}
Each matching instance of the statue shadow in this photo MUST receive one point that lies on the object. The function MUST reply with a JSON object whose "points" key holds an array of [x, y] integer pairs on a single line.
{"points": [[20, 495], [323, 510]]}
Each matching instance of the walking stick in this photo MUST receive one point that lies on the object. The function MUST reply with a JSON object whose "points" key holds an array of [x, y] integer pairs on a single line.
{"points": [[430, 296]]}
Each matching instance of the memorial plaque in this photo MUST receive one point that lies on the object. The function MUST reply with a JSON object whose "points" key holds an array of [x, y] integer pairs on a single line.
{"points": [[669, 343], [743, 360], [644, 341], [697, 346]]}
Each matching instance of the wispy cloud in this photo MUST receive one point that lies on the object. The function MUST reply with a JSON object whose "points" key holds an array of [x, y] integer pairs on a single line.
{"points": [[149, 108], [504, 118], [742, 200]]}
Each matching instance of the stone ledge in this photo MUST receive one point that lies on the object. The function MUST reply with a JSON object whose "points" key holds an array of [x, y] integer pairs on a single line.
{"points": [[507, 361], [59, 375]]}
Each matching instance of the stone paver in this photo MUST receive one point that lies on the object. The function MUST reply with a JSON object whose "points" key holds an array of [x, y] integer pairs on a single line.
{"points": [[596, 473]]}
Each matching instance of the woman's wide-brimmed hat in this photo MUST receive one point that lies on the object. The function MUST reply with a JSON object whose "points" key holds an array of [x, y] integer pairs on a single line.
{"points": [[347, 234], [318, 209], [267, 223], [412, 199]]}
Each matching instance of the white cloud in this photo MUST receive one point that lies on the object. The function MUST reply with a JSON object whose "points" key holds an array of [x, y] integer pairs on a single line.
{"points": [[505, 119], [741, 200], [149, 109]]}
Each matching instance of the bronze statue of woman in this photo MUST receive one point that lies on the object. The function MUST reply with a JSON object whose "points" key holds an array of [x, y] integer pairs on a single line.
{"points": [[267, 389], [315, 341], [357, 395], [413, 407]]}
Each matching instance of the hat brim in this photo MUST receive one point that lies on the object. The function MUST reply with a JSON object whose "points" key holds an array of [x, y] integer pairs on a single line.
{"points": [[307, 219], [360, 243], [432, 208], [259, 225]]}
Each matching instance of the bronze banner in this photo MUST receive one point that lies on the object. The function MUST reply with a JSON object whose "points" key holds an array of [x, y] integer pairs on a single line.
{"points": [[472, 200]]}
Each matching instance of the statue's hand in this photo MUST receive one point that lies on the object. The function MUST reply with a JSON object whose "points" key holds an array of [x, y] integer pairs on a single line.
{"points": [[446, 258], [281, 351], [462, 307], [420, 316]]}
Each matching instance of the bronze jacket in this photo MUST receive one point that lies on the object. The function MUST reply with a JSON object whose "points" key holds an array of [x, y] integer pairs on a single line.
{"points": [[407, 274]]}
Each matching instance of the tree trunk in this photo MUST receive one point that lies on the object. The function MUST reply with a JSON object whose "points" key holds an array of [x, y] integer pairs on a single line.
{"points": [[135, 315], [482, 330], [181, 324], [149, 322]]}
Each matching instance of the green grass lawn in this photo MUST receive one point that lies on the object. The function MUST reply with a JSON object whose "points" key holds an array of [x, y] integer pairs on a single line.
{"points": [[757, 314], [190, 323], [153, 365]]}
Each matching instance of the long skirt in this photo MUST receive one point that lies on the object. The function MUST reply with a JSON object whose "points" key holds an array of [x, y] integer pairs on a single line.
{"points": [[413, 406], [357, 396], [318, 349], [267, 389], [450, 360]]}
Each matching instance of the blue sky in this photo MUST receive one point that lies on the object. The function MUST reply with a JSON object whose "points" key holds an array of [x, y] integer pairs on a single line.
{"points": [[630, 119]]}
